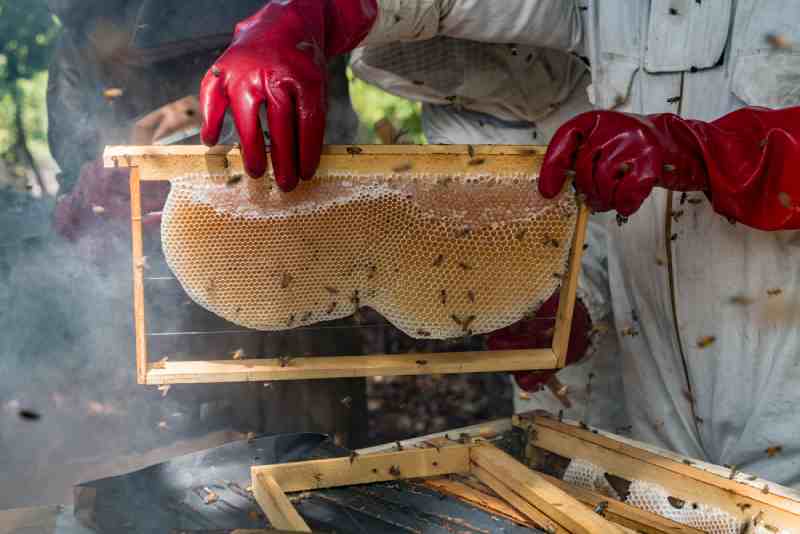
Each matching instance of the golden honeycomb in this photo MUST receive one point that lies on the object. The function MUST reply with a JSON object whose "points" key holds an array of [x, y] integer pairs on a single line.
{"points": [[438, 256]]}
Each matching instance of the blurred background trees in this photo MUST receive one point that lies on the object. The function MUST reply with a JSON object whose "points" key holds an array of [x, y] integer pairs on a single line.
{"points": [[27, 33]]}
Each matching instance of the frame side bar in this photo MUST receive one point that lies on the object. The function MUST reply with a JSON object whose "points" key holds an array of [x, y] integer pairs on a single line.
{"points": [[137, 253], [279, 510], [569, 287]]}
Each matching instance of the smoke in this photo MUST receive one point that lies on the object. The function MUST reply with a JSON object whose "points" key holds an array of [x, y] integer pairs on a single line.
{"points": [[68, 393]]}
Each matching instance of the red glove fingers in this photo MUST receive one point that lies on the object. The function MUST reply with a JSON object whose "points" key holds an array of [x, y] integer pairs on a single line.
{"points": [[213, 103], [279, 57], [616, 160], [562, 152], [311, 108], [281, 117], [244, 109]]}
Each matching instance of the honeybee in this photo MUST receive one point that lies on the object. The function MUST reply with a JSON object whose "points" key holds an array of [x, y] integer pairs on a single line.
{"points": [[629, 331], [705, 341], [403, 167]]}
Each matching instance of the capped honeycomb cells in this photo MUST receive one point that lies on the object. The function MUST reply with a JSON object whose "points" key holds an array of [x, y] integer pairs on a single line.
{"points": [[438, 256]]}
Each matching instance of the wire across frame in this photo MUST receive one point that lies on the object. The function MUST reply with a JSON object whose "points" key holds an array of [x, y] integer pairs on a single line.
{"points": [[162, 163]]}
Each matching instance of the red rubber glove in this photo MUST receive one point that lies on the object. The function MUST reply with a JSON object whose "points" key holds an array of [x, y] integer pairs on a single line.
{"points": [[537, 333], [279, 56], [746, 162]]}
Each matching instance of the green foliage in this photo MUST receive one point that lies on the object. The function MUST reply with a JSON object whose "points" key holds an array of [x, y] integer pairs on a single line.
{"points": [[27, 32], [34, 115], [373, 104]]}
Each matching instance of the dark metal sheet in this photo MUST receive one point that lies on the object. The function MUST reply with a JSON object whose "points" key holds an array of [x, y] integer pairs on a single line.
{"points": [[169, 497], [399, 507]]}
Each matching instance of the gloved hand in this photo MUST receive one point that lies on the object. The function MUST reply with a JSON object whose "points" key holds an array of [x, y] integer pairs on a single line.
{"points": [[745, 162], [537, 333], [279, 56]]}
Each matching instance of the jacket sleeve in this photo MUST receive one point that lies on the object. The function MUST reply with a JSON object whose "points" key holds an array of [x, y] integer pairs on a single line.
{"points": [[544, 23], [752, 157]]}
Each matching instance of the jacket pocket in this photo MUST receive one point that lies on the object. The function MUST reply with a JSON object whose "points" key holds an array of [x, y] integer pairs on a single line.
{"points": [[770, 80]]}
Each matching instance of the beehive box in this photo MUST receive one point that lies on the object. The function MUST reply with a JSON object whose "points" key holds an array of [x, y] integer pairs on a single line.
{"points": [[443, 241]]}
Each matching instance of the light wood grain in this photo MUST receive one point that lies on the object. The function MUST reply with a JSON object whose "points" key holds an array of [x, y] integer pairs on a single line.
{"points": [[524, 507], [255, 370], [569, 287], [137, 254], [280, 512], [167, 162], [378, 467], [478, 497], [681, 480], [557, 505]]}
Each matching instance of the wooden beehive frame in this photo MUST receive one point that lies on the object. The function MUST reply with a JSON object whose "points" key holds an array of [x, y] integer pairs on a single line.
{"points": [[527, 491], [166, 162], [745, 497], [529, 496]]}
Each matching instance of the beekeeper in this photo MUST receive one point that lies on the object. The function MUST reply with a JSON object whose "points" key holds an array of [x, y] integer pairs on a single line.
{"points": [[701, 295]]}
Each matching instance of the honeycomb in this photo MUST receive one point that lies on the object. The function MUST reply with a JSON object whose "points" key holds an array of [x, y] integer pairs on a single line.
{"points": [[438, 256]]}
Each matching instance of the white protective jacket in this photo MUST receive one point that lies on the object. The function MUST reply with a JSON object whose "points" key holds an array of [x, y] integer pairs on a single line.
{"points": [[677, 273]]}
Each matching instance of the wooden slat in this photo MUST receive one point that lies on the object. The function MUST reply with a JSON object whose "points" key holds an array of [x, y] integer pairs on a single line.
{"points": [[379, 467], [254, 370], [137, 254], [524, 507], [544, 496], [681, 480], [167, 162], [569, 286], [481, 499], [273, 501], [624, 514], [486, 429]]}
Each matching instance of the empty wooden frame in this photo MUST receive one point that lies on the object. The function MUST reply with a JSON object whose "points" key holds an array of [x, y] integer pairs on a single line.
{"points": [[529, 492], [474, 470], [744, 497], [166, 162]]}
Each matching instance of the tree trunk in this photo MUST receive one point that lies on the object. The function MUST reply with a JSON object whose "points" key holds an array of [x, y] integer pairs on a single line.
{"points": [[20, 146]]}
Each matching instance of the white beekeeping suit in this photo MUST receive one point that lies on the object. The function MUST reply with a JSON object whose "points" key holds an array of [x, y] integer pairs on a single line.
{"points": [[481, 93], [714, 367]]}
